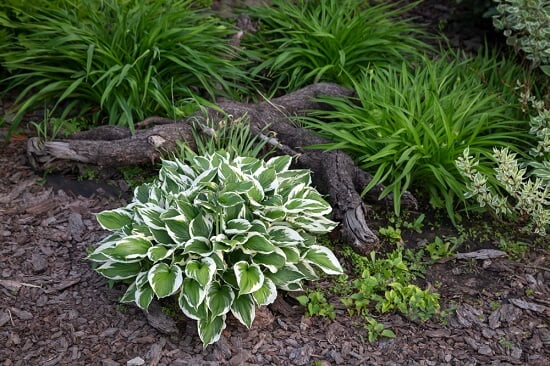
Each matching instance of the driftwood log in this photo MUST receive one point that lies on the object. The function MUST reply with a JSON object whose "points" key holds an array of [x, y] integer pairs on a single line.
{"points": [[334, 172]]}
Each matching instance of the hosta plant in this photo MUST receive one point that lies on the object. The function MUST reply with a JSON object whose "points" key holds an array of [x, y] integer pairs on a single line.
{"points": [[219, 233]]}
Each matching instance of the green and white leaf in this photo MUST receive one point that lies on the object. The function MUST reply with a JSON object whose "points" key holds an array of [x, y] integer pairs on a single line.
{"points": [[244, 310], [202, 271], [219, 298], [131, 247], [198, 313], [249, 277], [210, 329], [115, 219], [158, 253], [119, 271], [284, 236], [257, 243], [323, 258], [266, 294], [237, 226], [194, 293], [165, 280]]}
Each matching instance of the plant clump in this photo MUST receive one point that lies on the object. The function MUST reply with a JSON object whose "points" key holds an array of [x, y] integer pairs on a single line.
{"points": [[308, 41], [219, 233]]}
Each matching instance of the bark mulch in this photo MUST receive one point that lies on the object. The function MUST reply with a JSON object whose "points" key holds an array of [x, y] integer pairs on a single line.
{"points": [[55, 310]]}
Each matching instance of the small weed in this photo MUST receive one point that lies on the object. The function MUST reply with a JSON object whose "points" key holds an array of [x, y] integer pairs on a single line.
{"points": [[529, 292], [87, 174], [505, 343], [392, 234], [494, 305], [514, 249], [377, 330], [440, 248], [317, 305]]}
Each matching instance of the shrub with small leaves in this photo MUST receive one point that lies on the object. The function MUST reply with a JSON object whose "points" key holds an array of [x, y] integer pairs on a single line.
{"points": [[221, 234], [526, 24]]}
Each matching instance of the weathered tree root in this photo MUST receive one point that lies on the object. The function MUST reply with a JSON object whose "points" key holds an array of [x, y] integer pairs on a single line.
{"points": [[334, 172]]}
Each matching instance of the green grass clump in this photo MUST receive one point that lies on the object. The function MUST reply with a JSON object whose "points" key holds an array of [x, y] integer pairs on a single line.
{"points": [[120, 60], [329, 40], [408, 126]]}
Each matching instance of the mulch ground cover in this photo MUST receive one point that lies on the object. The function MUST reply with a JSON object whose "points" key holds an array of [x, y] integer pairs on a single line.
{"points": [[55, 310]]}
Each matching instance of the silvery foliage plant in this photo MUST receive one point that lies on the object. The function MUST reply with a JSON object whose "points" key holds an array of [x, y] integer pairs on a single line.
{"points": [[221, 234]]}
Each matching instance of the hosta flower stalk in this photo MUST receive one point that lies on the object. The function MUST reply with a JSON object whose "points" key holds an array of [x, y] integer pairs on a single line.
{"points": [[219, 233]]}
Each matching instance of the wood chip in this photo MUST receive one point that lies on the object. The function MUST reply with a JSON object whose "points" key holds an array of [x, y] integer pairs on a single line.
{"points": [[482, 254], [528, 305]]}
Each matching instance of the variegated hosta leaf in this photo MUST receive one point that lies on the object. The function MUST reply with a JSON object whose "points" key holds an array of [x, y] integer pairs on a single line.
{"points": [[103, 252], [194, 293], [244, 310], [198, 313], [292, 254], [257, 243], [279, 163], [285, 276], [114, 219], [308, 206], [119, 271], [266, 294], [272, 261], [210, 329], [131, 247], [158, 253], [202, 271], [318, 225], [229, 199], [284, 236], [150, 214], [144, 292], [164, 279], [199, 245], [219, 298], [268, 179], [178, 229], [237, 226], [323, 258], [249, 277], [201, 226], [130, 294]]}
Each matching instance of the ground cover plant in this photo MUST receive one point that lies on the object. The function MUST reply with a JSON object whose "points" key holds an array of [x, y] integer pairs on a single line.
{"points": [[329, 40], [121, 61], [409, 126], [221, 234]]}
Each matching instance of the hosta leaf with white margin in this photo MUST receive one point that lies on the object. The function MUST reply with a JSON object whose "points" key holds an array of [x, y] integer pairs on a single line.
{"points": [[199, 245], [219, 298], [323, 258], [118, 270], [237, 226], [201, 312], [292, 254], [202, 271], [266, 294], [307, 206], [249, 277], [317, 225], [268, 179], [285, 276], [151, 216], [244, 310], [284, 236], [144, 293], [257, 243], [114, 219], [279, 163], [165, 280], [102, 252], [201, 226], [272, 261], [210, 330], [131, 247], [228, 199], [158, 253], [193, 292], [178, 229]]}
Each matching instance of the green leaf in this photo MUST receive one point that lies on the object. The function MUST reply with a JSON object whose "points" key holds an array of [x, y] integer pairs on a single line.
{"points": [[158, 253], [268, 180], [279, 163], [130, 294], [193, 292], [178, 229], [285, 276], [244, 310], [229, 199], [249, 277], [151, 216], [202, 271], [266, 294], [193, 313], [131, 247], [144, 295], [201, 226], [219, 298], [257, 243], [323, 258], [319, 225], [284, 236], [237, 226], [198, 245], [272, 261], [164, 279], [292, 254], [119, 271], [114, 219], [210, 330]]}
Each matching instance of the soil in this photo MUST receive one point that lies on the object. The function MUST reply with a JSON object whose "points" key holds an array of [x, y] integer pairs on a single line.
{"points": [[55, 310]]}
